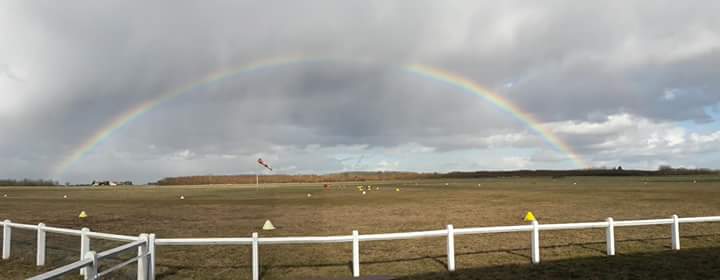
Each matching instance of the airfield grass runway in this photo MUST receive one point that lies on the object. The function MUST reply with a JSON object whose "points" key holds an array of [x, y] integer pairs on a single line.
{"points": [[237, 211]]}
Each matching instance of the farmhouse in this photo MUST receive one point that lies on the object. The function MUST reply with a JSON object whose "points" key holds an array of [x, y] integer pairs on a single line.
{"points": [[111, 183]]}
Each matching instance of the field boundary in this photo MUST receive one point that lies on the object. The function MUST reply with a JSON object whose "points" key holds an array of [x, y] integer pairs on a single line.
{"points": [[146, 243]]}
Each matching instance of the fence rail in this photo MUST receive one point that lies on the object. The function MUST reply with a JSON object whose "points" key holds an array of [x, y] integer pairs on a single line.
{"points": [[146, 243], [91, 263]]}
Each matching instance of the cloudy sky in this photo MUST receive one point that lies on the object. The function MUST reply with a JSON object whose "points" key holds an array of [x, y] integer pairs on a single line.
{"points": [[631, 83]]}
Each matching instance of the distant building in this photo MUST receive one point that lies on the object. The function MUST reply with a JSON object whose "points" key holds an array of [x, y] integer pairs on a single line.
{"points": [[111, 183]]}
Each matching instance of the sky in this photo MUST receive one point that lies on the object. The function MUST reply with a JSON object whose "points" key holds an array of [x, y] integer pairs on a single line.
{"points": [[326, 86]]}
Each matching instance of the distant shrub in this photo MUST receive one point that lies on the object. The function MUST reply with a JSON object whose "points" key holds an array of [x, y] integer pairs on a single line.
{"points": [[28, 182]]}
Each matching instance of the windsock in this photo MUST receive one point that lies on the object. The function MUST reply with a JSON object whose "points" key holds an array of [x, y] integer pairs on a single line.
{"points": [[263, 163]]}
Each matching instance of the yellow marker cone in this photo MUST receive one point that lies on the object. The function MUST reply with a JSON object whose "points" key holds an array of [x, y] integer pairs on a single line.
{"points": [[397, 189], [529, 217], [309, 195], [364, 192], [82, 215], [268, 225]]}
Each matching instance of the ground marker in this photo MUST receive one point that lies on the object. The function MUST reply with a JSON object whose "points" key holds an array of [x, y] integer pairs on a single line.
{"points": [[397, 189], [65, 196], [82, 215], [529, 217], [309, 195], [182, 197], [268, 225], [364, 192]]}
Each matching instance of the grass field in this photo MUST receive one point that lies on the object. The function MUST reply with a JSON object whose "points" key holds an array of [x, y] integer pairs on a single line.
{"points": [[237, 211]]}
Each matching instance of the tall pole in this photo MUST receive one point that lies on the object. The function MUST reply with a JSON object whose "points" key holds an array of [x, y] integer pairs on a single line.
{"points": [[257, 178]]}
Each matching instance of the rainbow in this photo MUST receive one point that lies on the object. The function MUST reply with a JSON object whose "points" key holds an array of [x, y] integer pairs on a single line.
{"points": [[425, 71], [128, 116], [499, 101]]}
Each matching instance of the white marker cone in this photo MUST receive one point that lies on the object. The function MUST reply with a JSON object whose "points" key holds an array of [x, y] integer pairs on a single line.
{"points": [[268, 225]]}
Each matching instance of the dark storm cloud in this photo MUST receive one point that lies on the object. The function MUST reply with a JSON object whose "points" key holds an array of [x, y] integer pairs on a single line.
{"points": [[82, 64], [602, 58]]}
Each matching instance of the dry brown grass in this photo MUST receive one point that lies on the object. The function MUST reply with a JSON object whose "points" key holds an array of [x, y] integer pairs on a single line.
{"points": [[239, 210]]}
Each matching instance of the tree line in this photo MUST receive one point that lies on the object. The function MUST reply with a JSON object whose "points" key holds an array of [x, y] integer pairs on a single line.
{"points": [[28, 182], [378, 176]]}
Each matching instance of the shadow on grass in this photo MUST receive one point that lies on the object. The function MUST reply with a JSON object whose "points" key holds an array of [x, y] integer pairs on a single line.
{"points": [[523, 252], [701, 263]]}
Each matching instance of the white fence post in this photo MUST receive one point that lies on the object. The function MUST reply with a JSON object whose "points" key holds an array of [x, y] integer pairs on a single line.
{"points": [[451, 248], [7, 236], [535, 243], [84, 246], [40, 258], [356, 254], [675, 233], [142, 262], [255, 257], [610, 236], [151, 257], [91, 270]]}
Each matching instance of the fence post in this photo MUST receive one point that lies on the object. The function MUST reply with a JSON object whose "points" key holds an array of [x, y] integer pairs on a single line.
{"points": [[675, 233], [7, 236], [84, 246], [535, 243], [356, 254], [40, 258], [255, 257], [151, 257], [610, 236], [451, 247], [142, 262], [92, 269]]}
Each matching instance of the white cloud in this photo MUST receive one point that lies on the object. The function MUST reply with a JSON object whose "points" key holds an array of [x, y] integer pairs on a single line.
{"points": [[640, 48], [670, 94], [614, 123], [182, 155], [516, 162], [627, 138]]}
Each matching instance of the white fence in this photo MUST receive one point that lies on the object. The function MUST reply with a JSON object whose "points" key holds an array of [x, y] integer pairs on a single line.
{"points": [[146, 243], [89, 261]]}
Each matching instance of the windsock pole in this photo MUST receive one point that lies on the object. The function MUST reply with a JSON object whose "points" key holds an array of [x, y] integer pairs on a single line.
{"points": [[257, 173]]}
